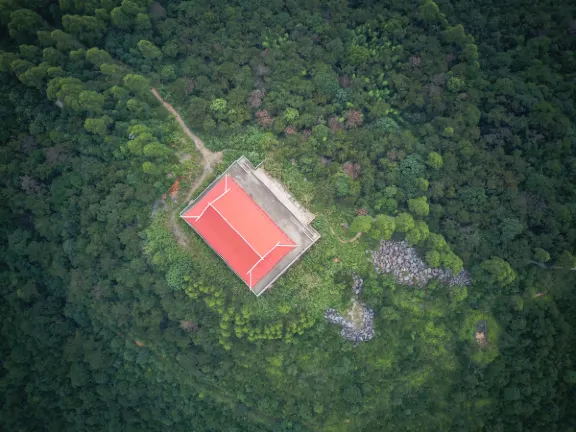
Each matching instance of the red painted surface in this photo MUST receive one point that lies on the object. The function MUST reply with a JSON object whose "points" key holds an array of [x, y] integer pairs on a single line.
{"points": [[239, 230], [173, 191]]}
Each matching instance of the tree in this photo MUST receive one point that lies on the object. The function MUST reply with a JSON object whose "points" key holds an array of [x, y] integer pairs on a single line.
{"points": [[291, 115], [458, 293], [98, 126], [30, 52], [116, 72], [361, 224], [498, 271], [435, 160], [64, 41], [6, 59], [35, 76], [78, 375], [118, 93], [91, 101], [570, 378], [149, 50], [429, 12], [168, 73], [418, 234], [451, 261], [432, 258], [137, 107], [120, 19], [53, 56], [342, 184], [326, 84], [404, 222], [511, 228], [457, 35], [419, 206], [437, 242], [541, 255], [142, 22], [219, 105], [455, 84], [413, 237], [67, 90], [149, 168], [24, 24], [20, 66], [358, 55], [421, 184], [566, 260], [383, 227], [137, 83], [98, 57], [54, 72], [155, 150], [88, 29], [352, 394]]}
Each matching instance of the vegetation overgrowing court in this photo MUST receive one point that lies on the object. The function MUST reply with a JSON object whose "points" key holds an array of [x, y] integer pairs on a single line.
{"points": [[402, 172]]}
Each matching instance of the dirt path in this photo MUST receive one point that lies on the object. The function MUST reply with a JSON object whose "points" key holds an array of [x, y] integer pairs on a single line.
{"points": [[209, 160], [353, 239], [207, 155]]}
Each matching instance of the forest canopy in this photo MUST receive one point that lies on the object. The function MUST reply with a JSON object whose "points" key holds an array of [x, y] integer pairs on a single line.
{"points": [[445, 127]]}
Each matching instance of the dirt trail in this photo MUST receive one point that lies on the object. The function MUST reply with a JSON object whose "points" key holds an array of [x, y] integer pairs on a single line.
{"points": [[208, 156], [353, 239], [209, 160]]}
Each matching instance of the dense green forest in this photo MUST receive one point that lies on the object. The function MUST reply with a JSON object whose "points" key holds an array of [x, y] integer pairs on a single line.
{"points": [[450, 124]]}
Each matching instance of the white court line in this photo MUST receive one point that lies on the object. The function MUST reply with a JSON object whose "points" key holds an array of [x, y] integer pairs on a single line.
{"points": [[235, 230], [214, 200], [262, 258]]}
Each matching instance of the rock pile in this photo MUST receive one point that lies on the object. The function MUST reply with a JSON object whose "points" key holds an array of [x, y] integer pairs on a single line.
{"points": [[402, 261], [358, 284], [350, 330], [359, 326]]}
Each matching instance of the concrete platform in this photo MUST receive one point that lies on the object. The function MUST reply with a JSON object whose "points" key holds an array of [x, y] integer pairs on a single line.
{"points": [[290, 216]]}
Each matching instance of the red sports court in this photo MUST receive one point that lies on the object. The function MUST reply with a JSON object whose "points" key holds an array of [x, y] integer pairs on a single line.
{"points": [[239, 230]]}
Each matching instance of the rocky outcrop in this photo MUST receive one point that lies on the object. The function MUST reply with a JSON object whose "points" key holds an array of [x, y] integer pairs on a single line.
{"points": [[402, 261], [357, 285], [350, 330], [358, 326]]}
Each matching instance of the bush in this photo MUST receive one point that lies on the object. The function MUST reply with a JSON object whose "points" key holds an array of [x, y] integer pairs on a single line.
{"points": [[361, 224]]}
